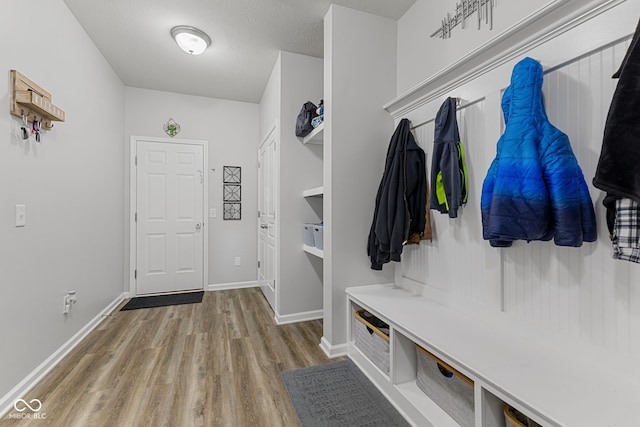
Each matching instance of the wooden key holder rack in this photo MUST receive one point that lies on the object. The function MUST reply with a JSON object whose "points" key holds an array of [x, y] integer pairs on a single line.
{"points": [[32, 101]]}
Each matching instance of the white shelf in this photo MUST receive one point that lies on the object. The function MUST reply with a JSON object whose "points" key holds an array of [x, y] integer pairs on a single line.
{"points": [[427, 407], [313, 251], [316, 135], [313, 192], [493, 351]]}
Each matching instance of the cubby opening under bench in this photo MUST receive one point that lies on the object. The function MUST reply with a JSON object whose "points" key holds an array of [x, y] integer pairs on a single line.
{"points": [[551, 379]]}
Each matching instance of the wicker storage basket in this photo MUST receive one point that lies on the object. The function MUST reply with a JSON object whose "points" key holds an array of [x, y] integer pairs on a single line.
{"points": [[371, 340], [307, 234], [514, 418], [448, 388]]}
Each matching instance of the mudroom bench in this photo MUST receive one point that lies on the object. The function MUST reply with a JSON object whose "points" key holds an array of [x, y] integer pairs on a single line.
{"points": [[551, 379]]}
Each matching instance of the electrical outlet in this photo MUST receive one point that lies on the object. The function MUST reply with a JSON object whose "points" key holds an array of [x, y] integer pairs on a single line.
{"points": [[237, 261]]}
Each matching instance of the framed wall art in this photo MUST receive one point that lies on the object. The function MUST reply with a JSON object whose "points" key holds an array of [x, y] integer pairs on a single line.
{"points": [[232, 192], [232, 175]]}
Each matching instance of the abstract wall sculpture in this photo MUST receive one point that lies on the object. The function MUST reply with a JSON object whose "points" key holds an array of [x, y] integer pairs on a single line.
{"points": [[464, 10]]}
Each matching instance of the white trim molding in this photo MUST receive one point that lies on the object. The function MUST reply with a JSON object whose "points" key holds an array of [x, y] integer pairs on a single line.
{"points": [[532, 31], [35, 376], [236, 285], [298, 317], [333, 351]]}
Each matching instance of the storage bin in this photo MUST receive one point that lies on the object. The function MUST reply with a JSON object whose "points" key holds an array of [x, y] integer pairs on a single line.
{"points": [[514, 418], [307, 235], [318, 239], [448, 388], [372, 338]]}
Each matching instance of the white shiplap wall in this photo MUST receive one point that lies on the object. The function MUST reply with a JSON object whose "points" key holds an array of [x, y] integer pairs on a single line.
{"points": [[581, 292]]}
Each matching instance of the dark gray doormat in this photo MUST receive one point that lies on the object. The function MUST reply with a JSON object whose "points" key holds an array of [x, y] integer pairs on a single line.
{"points": [[338, 394], [163, 300]]}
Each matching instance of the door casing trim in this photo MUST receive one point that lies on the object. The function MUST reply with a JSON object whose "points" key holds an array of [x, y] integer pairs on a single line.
{"points": [[133, 185]]}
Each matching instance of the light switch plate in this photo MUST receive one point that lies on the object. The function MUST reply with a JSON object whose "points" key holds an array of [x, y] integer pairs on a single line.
{"points": [[213, 213], [21, 215]]}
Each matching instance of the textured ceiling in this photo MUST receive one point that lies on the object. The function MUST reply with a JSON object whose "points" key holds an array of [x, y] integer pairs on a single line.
{"points": [[133, 35]]}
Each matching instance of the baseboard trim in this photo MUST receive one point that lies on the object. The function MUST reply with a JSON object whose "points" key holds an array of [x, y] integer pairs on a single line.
{"points": [[299, 317], [333, 351], [35, 376], [236, 285]]}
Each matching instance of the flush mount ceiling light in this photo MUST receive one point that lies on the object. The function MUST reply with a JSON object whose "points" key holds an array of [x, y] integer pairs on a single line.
{"points": [[190, 39]]}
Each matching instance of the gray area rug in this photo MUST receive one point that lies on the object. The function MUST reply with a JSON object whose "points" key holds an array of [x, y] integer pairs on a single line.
{"points": [[338, 394]]}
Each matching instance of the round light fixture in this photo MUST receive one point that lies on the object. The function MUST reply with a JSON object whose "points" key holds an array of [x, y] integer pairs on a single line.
{"points": [[190, 39]]}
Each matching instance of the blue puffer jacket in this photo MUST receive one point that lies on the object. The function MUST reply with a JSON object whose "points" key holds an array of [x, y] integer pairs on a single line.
{"points": [[534, 189]]}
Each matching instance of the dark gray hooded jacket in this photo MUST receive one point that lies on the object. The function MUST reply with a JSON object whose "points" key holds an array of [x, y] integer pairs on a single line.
{"points": [[449, 186], [401, 199]]}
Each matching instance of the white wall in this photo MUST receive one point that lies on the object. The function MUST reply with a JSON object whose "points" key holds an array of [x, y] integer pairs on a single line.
{"points": [[72, 186], [269, 108], [422, 58], [300, 169], [231, 129], [294, 79], [420, 55], [577, 295], [359, 77]]}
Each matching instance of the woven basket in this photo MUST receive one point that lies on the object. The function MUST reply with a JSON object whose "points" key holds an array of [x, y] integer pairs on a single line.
{"points": [[514, 418], [374, 345], [448, 388], [318, 236], [307, 235]]}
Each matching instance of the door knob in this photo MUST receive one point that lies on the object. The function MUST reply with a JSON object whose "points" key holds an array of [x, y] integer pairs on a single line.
{"points": [[264, 226], [198, 226]]}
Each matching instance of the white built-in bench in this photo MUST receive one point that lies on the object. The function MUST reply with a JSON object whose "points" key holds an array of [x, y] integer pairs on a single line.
{"points": [[553, 379]]}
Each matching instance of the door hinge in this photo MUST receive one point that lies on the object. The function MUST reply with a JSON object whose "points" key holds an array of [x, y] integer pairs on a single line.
{"points": [[135, 217], [136, 161], [258, 264], [135, 274], [258, 214]]}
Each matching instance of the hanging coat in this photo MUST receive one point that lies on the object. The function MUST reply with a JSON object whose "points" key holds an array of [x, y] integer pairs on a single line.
{"points": [[449, 180], [618, 170], [400, 209], [534, 189]]}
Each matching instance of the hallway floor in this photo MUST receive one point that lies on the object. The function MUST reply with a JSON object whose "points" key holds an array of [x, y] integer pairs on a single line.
{"points": [[216, 363]]}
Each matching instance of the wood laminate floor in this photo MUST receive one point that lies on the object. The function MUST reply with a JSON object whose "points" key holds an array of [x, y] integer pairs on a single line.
{"points": [[216, 363]]}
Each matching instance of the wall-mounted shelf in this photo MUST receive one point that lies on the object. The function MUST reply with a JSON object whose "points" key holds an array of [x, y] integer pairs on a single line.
{"points": [[31, 101], [313, 251], [316, 135], [313, 192]]}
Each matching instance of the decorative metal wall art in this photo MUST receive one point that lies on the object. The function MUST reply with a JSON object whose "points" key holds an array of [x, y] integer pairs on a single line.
{"points": [[171, 128], [233, 211], [232, 174], [232, 192], [464, 9]]}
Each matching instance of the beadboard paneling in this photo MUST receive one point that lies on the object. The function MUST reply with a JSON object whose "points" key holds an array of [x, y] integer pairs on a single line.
{"points": [[581, 292], [456, 260]]}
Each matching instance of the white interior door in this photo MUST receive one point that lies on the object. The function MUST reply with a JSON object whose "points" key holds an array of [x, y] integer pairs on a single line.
{"points": [[266, 218], [169, 217]]}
